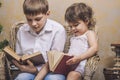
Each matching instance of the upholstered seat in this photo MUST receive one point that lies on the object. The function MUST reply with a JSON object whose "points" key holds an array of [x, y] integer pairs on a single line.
{"points": [[91, 64]]}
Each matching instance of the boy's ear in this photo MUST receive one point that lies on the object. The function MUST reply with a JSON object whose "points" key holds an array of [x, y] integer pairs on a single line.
{"points": [[48, 13]]}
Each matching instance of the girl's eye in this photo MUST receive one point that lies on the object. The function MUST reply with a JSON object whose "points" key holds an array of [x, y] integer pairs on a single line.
{"points": [[76, 24], [70, 26]]}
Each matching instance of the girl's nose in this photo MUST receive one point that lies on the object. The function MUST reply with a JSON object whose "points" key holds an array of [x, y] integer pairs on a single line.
{"points": [[73, 28]]}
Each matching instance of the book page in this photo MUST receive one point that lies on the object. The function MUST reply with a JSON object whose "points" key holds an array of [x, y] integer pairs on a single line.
{"points": [[54, 58], [25, 57], [57, 58], [57, 62], [35, 58], [50, 59], [11, 53]]}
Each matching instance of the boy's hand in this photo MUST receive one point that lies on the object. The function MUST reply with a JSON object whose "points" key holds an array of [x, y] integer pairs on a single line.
{"points": [[26, 68], [73, 60]]}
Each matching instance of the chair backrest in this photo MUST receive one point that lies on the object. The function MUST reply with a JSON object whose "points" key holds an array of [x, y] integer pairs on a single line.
{"points": [[67, 44], [2, 66], [13, 33]]}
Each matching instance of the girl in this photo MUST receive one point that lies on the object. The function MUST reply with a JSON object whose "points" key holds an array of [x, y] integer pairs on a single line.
{"points": [[83, 43]]}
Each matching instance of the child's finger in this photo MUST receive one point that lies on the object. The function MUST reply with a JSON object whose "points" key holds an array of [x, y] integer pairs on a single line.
{"points": [[68, 62], [29, 62], [16, 63]]}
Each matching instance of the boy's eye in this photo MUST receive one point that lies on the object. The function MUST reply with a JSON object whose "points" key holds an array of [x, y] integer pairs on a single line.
{"points": [[38, 19]]}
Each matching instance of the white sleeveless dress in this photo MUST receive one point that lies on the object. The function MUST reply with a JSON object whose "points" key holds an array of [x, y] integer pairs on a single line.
{"points": [[79, 45]]}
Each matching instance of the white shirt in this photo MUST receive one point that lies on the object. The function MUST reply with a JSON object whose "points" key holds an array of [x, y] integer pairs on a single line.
{"points": [[52, 37]]}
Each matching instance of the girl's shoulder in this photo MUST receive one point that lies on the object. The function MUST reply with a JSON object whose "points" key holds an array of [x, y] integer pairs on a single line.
{"points": [[90, 32]]}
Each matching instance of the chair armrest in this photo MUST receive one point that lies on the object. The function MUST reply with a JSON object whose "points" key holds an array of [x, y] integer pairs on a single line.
{"points": [[2, 68], [91, 67]]}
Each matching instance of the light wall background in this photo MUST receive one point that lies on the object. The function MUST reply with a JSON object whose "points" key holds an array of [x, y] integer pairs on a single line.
{"points": [[107, 13]]}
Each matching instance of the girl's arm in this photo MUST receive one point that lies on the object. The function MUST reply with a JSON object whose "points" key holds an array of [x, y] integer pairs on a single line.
{"points": [[93, 48]]}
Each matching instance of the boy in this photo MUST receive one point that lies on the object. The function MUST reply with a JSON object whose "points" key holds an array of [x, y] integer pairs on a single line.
{"points": [[40, 34]]}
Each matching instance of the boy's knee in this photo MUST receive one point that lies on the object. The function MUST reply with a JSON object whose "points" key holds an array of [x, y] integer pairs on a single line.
{"points": [[25, 76], [54, 77]]}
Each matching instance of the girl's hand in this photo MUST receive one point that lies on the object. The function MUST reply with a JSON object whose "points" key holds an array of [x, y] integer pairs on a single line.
{"points": [[26, 68], [73, 60]]}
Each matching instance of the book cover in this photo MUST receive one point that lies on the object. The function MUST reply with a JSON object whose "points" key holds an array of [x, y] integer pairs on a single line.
{"points": [[35, 58], [57, 62]]}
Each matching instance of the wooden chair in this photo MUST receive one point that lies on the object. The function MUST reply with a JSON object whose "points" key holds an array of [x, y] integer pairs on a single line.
{"points": [[12, 71], [2, 68], [91, 64]]}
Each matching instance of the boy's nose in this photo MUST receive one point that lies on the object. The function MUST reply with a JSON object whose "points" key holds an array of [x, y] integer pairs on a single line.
{"points": [[34, 23]]}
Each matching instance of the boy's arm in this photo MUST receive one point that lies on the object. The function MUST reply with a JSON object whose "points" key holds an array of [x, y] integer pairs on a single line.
{"points": [[59, 40], [42, 73], [18, 49], [30, 68]]}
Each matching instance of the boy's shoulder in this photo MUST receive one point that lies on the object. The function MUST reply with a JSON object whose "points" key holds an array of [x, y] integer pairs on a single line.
{"points": [[24, 27], [54, 23]]}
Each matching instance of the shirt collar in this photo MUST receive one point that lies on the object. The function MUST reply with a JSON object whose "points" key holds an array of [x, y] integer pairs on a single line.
{"points": [[47, 28]]}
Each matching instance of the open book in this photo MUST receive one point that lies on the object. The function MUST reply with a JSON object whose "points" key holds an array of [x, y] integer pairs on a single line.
{"points": [[57, 62], [35, 58]]}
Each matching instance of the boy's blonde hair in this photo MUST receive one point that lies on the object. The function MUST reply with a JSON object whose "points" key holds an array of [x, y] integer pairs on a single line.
{"points": [[34, 7]]}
